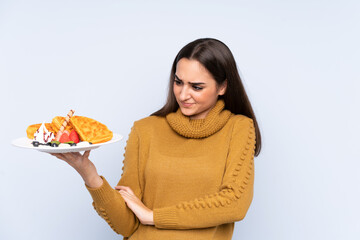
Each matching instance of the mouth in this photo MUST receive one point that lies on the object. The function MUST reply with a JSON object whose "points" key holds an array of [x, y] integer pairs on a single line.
{"points": [[186, 104]]}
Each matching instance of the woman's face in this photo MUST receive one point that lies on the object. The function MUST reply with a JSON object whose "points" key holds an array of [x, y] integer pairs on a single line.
{"points": [[195, 90]]}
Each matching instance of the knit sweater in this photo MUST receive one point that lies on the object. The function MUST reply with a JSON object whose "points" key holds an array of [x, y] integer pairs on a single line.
{"points": [[196, 175]]}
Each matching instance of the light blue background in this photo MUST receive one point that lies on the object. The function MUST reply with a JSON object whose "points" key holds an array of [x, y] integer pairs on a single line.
{"points": [[110, 60]]}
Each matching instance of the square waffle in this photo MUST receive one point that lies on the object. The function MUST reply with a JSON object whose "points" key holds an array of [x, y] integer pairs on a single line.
{"points": [[90, 130]]}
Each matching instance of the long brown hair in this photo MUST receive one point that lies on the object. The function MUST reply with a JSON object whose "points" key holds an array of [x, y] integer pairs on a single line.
{"points": [[217, 58]]}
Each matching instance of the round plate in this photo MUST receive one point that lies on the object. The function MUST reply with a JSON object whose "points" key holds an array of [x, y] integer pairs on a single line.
{"points": [[26, 143]]}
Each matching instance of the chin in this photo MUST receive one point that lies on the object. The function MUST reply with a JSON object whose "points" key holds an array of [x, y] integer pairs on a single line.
{"points": [[186, 112]]}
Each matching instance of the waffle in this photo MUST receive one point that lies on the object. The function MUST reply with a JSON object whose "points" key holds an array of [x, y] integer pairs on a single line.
{"points": [[30, 131], [57, 122], [90, 130]]}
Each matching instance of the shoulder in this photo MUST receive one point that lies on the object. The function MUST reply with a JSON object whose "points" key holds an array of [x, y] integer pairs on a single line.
{"points": [[147, 123], [241, 124], [239, 119], [242, 127]]}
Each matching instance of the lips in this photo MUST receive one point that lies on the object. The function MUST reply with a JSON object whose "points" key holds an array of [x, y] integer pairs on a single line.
{"points": [[186, 104]]}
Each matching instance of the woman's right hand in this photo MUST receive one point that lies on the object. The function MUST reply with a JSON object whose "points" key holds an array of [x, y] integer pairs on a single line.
{"points": [[82, 164]]}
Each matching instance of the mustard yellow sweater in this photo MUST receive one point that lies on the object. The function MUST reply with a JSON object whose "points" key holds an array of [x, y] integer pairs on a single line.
{"points": [[196, 175]]}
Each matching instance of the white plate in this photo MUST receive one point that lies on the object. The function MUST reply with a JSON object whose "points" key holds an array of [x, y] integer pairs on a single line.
{"points": [[26, 143]]}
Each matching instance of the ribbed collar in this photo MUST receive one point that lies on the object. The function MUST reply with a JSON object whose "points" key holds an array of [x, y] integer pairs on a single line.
{"points": [[199, 128]]}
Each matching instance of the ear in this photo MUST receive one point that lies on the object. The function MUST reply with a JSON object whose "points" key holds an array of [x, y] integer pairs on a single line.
{"points": [[222, 89]]}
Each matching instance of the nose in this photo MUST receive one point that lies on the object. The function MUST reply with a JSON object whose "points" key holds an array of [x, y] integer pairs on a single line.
{"points": [[184, 93]]}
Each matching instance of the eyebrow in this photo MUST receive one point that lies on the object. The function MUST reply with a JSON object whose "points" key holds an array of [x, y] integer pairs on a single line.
{"points": [[192, 83]]}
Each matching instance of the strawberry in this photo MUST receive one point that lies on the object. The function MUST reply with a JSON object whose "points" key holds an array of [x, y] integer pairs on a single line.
{"points": [[74, 136], [64, 138]]}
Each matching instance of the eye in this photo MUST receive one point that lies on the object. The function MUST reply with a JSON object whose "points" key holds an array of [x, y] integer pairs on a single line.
{"points": [[177, 82], [197, 88]]}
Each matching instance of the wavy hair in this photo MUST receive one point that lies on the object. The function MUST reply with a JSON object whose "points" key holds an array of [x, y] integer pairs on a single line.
{"points": [[217, 58]]}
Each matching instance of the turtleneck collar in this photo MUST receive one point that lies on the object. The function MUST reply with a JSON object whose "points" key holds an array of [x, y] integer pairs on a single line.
{"points": [[199, 128]]}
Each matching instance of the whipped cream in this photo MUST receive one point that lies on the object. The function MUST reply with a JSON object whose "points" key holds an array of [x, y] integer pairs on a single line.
{"points": [[42, 135], [63, 145], [83, 144]]}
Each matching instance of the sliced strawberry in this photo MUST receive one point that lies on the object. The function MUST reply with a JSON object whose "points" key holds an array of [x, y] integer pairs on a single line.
{"points": [[64, 138], [74, 136]]}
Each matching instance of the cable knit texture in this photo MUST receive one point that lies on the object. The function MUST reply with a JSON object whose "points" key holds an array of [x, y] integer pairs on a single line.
{"points": [[196, 175], [199, 128]]}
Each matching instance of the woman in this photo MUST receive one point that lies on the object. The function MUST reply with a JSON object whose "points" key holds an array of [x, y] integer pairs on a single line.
{"points": [[188, 168]]}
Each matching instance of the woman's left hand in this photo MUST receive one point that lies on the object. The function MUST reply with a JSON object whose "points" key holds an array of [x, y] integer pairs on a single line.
{"points": [[144, 214]]}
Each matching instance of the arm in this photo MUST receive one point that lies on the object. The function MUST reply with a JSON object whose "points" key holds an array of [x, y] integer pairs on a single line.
{"points": [[233, 199], [109, 204]]}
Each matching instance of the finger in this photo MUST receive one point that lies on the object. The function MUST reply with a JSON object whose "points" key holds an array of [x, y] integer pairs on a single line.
{"points": [[59, 156], [54, 154], [128, 197], [120, 187], [124, 193], [67, 157], [127, 189], [86, 154], [74, 155], [125, 196]]}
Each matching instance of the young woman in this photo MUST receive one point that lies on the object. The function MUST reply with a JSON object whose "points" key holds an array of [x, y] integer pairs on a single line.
{"points": [[188, 168]]}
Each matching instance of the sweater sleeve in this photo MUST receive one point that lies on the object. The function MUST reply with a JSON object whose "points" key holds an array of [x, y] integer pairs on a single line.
{"points": [[108, 202], [231, 202]]}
